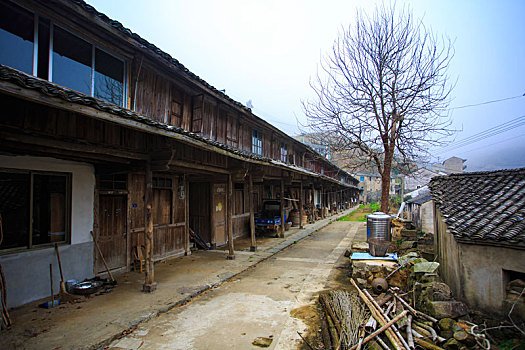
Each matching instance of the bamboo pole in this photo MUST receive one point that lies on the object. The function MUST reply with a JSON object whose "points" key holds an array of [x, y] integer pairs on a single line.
{"points": [[379, 317], [412, 310], [427, 345], [384, 328], [385, 315], [409, 333]]}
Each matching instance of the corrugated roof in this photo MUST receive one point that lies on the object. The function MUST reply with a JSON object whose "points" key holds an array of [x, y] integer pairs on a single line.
{"points": [[483, 207]]}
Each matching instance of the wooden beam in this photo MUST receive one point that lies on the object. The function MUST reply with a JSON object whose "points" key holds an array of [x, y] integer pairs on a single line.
{"points": [[189, 165], [229, 219], [97, 151], [253, 246], [283, 223], [149, 280]]}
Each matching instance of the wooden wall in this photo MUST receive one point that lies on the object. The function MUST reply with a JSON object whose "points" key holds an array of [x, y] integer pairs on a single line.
{"points": [[174, 103], [169, 237]]}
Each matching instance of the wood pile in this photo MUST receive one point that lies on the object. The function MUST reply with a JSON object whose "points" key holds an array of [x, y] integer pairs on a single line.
{"points": [[388, 321]]}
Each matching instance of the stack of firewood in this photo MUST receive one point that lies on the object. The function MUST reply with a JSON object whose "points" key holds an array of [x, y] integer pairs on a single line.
{"points": [[388, 321]]}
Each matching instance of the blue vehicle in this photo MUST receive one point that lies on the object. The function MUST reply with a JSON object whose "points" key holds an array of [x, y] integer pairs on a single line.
{"points": [[270, 218]]}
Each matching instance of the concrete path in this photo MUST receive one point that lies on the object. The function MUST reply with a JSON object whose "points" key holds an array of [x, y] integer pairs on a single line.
{"points": [[97, 321], [256, 303]]}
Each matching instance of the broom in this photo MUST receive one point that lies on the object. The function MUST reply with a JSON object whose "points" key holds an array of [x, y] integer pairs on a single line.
{"points": [[64, 296]]}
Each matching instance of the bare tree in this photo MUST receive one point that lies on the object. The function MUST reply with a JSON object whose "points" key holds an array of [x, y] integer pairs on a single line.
{"points": [[382, 92]]}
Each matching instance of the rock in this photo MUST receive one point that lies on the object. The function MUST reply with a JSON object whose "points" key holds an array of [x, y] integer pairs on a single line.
{"points": [[446, 326], [446, 309], [440, 291], [360, 246], [426, 267], [407, 245], [408, 233], [430, 277], [452, 344], [405, 259], [262, 342], [361, 282]]}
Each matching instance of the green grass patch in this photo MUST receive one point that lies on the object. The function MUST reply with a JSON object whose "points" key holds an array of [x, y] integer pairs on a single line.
{"points": [[361, 212]]}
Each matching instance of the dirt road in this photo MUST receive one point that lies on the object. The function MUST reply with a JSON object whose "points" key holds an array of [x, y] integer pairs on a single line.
{"points": [[259, 303]]}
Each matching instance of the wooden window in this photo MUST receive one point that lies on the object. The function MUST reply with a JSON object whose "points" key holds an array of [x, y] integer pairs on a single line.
{"points": [[257, 142], [112, 182], [198, 111], [284, 152], [35, 208], [232, 132], [238, 199], [162, 200]]}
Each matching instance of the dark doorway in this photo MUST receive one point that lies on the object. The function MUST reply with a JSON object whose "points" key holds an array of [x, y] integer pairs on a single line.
{"points": [[200, 210]]}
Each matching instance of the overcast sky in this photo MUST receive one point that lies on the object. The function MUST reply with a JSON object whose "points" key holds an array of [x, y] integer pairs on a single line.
{"points": [[267, 50]]}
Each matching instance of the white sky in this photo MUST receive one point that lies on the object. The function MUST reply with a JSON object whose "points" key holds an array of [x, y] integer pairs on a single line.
{"points": [[267, 50]]}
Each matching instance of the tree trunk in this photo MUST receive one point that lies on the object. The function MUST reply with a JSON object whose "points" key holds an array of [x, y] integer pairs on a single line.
{"points": [[385, 181]]}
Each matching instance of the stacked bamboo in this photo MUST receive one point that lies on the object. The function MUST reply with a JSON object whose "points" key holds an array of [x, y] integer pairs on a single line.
{"points": [[350, 321]]}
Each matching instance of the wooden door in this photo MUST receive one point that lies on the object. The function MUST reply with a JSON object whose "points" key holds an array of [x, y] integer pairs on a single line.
{"points": [[200, 210], [112, 233], [219, 213]]}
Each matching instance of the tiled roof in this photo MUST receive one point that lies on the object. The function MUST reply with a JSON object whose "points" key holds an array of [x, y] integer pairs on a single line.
{"points": [[483, 207], [422, 198], [50, 89], [167, 58]]}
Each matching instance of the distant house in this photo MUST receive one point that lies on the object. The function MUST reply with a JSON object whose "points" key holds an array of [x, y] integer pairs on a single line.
{"points": [[420, 210], [370, 186], [418, 179], [452, 165], [480, 237]]}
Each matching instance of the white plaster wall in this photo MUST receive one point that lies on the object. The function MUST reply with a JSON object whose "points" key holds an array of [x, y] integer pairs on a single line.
{"points": [[483, 282], [427, 217], [82, 189]]}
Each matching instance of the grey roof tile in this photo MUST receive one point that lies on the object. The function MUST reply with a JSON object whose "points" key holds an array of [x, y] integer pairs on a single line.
{"points": [[483, 206]]}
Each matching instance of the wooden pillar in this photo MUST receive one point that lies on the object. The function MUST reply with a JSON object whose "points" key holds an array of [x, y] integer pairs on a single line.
{"points": [[301, 205], [283, 223], [253, 246], [312, 190], [149, 280], [186, 185], [229, 219], [322, 202]]}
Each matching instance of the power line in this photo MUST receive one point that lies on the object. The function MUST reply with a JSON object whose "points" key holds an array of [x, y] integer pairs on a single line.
{"points": [[487, 102], [495, 143], [498, 129]]}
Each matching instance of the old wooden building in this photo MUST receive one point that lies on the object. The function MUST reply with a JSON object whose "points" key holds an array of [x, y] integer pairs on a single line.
{"points": [[102, 132]]}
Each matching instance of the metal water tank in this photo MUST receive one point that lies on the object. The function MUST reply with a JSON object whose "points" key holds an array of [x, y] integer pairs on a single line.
{"points": [[378, 228]]}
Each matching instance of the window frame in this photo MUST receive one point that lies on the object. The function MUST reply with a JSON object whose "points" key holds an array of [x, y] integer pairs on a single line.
{"points": [[67, 208], [94, 47], [257, 148], [284, 152], [37, 15]]}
